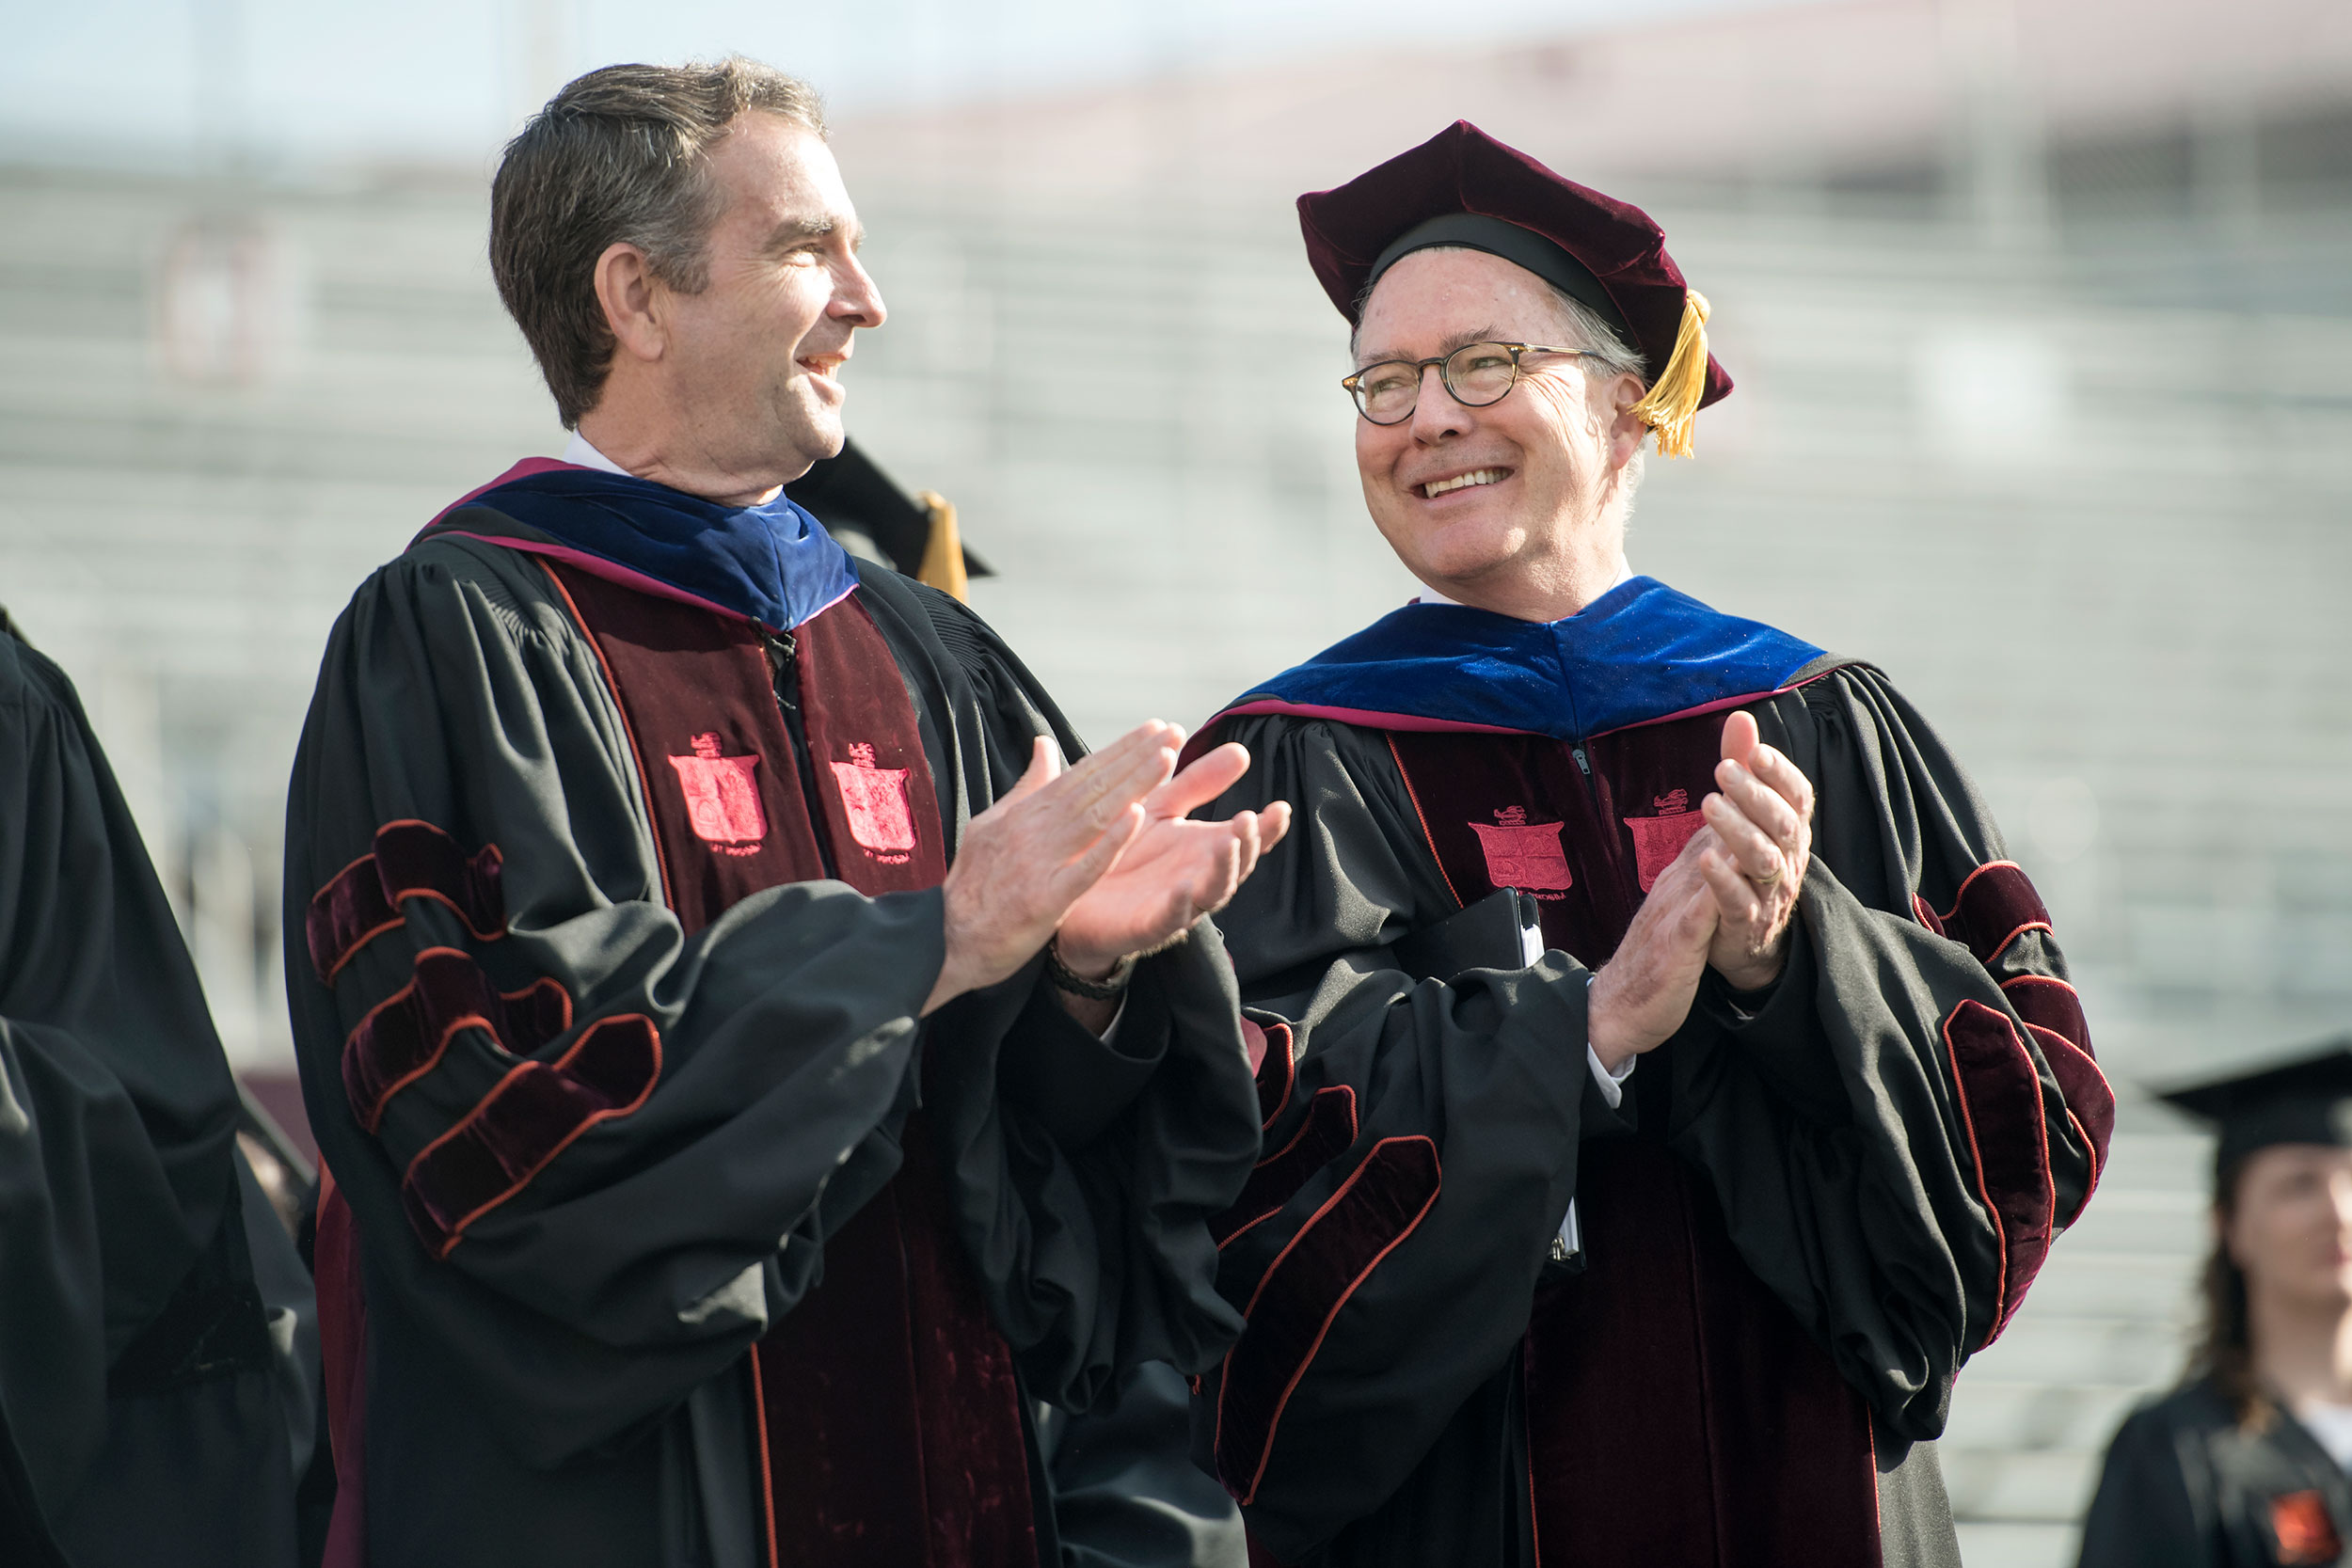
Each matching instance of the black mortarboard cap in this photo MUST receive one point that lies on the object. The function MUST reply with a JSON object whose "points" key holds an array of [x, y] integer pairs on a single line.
{"points": [[1605, 252], [2302, 1098], [849, 493]]}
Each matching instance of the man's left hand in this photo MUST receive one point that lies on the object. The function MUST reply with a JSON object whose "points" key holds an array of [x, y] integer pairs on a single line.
{"points": [[1174, 870], [1763, 822]]}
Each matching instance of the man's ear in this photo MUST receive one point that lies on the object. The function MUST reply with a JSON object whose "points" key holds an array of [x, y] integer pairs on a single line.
{"points": [[1627, 431], [632, 301]]}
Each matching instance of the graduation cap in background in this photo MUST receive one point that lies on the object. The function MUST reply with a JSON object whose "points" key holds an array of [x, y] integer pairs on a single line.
{"points": [[2304, 1098], [1462, 187], [862, 507]]}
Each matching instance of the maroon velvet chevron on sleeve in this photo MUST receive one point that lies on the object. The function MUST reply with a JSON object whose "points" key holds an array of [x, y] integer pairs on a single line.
{"points": [[2053, 1012], [533, 1114], [409, 860], [1999, 1097], [1326, 1134], [1995, 906], [1373, 1210], [1275, 1068], [403, 1037]]}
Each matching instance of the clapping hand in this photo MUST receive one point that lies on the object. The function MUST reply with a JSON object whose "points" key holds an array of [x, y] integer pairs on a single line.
{"points": [[1100, 852], [1174, 870], [1727, 901], [1762, 823]]}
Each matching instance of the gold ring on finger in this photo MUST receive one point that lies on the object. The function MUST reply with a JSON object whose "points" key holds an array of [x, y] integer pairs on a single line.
{"points": [[1766, 882]]}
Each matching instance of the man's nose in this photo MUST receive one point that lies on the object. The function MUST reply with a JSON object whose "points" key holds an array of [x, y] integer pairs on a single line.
{"points": [[857, 299], [1435, 413]]}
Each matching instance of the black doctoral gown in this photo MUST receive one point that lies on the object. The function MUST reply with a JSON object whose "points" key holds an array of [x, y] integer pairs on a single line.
{"points": [[1813, 1205], [140, 1412], [562, 1375], [2187, 1485]]}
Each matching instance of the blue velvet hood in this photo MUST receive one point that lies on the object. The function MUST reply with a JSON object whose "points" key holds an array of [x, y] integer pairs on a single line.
{"points": [[774, 563], [1641, 652]]}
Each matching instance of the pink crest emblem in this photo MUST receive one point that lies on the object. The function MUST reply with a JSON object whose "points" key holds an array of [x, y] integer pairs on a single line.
{"points": [[1523, 854], [721, 797], [875, 799], [1657, 840]]}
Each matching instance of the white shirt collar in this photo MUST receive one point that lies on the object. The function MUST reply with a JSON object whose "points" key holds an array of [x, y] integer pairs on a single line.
{"points": [[578, 450], [1427, 595]]}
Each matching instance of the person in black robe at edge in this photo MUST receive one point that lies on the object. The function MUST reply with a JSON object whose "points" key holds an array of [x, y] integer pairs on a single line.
{"points": [[1126, 1494], [2244, 1464], [1669, 1082], [749, 1065], [154, 1402]]}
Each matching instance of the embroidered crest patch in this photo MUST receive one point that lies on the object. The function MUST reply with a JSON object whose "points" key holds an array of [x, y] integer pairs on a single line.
{"points": [[2305, 1533], [875, 800], [721, 797], [1523, 854], [1657, 840]]}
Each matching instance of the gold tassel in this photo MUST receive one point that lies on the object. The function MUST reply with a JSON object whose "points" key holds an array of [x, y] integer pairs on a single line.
{"points": [[1672, 404], [943, 556]]}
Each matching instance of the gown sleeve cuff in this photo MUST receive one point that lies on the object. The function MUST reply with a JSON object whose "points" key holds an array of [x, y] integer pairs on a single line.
{"points": [[1775, 1027], [1072, 1081]]}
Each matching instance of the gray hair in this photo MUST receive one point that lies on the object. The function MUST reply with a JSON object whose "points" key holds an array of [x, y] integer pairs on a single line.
{"points": [[1607, 357], [1606, 354], [620, 157]]}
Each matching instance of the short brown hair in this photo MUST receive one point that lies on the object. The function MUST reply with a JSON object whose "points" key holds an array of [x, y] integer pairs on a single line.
{"points": [[620, 155]]}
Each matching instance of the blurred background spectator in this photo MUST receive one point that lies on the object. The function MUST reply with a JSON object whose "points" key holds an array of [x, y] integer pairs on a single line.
{"points": [[2039, 310]]}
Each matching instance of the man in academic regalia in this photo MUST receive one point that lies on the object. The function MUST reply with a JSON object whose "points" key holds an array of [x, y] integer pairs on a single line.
{"points": [[144, 1416], [1661, 1239], [728, 1028], [2244, 1464]]}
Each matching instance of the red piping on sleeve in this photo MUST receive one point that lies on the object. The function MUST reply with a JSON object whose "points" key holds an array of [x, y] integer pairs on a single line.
{"points": [[594, 1119], [1289, 1073], [1300, 1136], [766, 1478], [1975, 1158], [331, 950], [1373, 1160], [2029, 926], [372, 1115], [2007, 1300], [1330, 1120], [1962, 891]]}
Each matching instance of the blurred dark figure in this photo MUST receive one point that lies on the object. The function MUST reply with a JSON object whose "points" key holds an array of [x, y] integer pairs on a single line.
{"points": [[154, 1407], [2246, 1462], [1126, 1492]]}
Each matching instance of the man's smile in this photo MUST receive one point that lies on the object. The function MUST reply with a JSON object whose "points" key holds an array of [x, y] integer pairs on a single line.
{"points": [[1463, 479]]}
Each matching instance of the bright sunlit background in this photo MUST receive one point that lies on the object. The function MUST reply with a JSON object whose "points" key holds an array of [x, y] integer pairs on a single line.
{"points": [[2040, 312]]}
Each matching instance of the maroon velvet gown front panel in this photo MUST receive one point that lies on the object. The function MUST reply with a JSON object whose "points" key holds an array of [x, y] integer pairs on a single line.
{"points": [[891, 1416], [1676, 1410]]}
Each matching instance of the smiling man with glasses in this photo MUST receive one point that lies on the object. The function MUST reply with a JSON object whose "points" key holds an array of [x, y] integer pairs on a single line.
{"points": [[1511, 1301]]}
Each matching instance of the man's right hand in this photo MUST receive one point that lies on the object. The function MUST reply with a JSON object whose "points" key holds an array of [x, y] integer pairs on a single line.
{"points": [[1030, 856], [1643, 992]]}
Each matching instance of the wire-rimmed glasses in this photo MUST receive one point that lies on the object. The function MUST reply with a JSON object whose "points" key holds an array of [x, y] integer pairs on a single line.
{"points": [[1474, 376]]}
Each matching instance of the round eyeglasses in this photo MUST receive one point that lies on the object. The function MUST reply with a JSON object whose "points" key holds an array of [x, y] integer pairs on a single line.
{"points": [[1474, 374]]}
